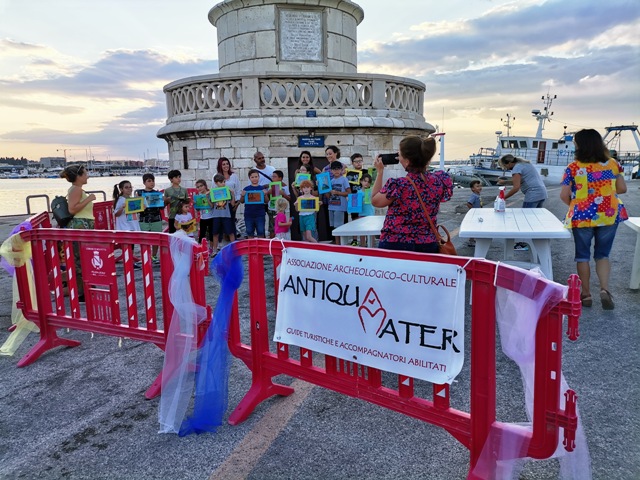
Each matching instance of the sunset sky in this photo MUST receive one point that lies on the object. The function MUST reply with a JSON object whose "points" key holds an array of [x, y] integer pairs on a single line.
{"points": [[88, 76]]}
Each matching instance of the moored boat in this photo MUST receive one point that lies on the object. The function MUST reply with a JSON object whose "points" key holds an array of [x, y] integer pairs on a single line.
{"points": [[550, 156]]}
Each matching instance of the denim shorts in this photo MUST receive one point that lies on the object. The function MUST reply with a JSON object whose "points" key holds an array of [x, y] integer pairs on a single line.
{"points": [[536, 204], [604, 236], [254, 226]]}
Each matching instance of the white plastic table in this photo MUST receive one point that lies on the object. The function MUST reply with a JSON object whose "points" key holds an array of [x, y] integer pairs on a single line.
{"points": [[363, 226], [535, 226], [634, 223]]}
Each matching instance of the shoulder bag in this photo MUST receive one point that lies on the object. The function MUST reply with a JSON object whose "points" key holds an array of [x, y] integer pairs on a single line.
{"points": [[445, 247]]}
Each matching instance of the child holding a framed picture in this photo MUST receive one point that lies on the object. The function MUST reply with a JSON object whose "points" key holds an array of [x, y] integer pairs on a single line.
{"points": [[307, 217], [222, 220], [151, 219], [255, 199], [340, 189], [124, 221]]}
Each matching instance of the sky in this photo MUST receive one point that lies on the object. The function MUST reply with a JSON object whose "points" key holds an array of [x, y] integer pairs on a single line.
{"points": [[85, 78]]}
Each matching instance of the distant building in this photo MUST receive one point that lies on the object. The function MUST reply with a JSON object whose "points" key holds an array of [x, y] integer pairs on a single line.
{"points": [[51, 162], [288, 82]]}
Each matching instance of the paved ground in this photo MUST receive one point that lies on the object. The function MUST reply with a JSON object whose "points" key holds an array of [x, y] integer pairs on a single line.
{"points": [[81, 413]]}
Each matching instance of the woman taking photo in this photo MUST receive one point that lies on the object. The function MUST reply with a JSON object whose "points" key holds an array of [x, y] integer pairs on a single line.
{"points": [[406, 227], [590, 187]]}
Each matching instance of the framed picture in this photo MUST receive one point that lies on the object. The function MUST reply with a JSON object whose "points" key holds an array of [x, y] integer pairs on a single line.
{"points": [[190, 226], [272, 203], [324, 182], [354, 203], [353, 176], [302, 176], [275, 189], [220, 194], [253, 197], [153, 199], [308, 204], [366, 198], [133, 205], [200, 202]]}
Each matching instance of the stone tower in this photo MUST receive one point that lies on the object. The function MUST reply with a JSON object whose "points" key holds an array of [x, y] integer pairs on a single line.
{"points": [[288, 82]]}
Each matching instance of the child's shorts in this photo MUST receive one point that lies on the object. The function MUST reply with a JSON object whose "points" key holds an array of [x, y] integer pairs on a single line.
{"points": [[222, 225], [151, 226], [254, 226], [336, 218], [307, 222]]}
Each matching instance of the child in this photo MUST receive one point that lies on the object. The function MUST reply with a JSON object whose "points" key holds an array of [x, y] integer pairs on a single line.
{"points": [[124, 221], [206, 215], [254, 212], [367, 208], [276, 176], [173, 196], [356, 164], [150, 219], [184, 220], [340, 189], [222, 222], [296, 188], [281, 225], [307, 219], [475, 201]]}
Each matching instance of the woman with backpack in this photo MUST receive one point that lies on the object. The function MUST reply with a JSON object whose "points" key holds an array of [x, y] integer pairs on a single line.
{"points": [[81, 207]]}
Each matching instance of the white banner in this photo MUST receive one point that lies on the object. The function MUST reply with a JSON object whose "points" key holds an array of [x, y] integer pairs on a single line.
{"points": [[400, 316]]}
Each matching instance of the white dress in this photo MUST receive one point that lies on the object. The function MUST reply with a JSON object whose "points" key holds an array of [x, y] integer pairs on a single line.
{"points": [[126, 221]]}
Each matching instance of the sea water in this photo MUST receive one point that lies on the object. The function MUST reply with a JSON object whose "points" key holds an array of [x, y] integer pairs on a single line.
{"points": [[13, 192]]}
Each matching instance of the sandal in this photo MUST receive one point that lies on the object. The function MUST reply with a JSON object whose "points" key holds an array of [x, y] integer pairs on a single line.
{"points": [[586, 300], [607, 300]]}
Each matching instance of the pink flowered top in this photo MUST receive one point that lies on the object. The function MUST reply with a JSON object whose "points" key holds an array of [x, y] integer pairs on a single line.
{"points": [[405, 221], [594, 201]]}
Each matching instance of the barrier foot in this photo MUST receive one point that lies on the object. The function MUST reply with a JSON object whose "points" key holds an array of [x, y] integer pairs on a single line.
{"points": [[154, 390], [256, 394], [44, 345]]}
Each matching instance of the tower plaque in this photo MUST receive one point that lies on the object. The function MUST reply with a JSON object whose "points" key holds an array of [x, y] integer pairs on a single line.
{"points": [[301, 36]]}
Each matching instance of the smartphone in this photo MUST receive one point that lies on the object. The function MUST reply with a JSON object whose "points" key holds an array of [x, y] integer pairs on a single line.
{"points": [[390, 158]]}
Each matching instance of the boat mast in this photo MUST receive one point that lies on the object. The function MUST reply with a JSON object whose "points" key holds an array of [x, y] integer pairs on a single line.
{"points": [[508, 123], [545, 115]]}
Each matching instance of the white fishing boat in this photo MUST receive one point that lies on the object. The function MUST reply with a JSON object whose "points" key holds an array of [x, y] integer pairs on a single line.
{"points": [[550, 156]]}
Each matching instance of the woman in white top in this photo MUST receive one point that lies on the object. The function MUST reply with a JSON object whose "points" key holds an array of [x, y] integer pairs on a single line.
{"points": [[233, 182]]}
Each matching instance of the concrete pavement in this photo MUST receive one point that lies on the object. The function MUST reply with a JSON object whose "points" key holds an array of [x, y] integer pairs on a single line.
{"points": [[80, 413]]}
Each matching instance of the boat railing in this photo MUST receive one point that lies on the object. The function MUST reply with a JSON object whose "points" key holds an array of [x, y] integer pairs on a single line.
{"points": [[46, 197]]}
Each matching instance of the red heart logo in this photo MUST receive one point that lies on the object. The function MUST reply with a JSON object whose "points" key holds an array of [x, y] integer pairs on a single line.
{"points": [[371, 310]]}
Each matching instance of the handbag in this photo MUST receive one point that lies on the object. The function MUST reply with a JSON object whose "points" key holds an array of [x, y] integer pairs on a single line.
{"points": [[445, 247]]}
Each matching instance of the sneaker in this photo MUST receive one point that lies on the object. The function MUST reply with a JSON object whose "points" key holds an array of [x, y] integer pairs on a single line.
{"points": [[81, 299], [155, 260], [471, 243], [521, 247], [137, 265], [354, 243]]}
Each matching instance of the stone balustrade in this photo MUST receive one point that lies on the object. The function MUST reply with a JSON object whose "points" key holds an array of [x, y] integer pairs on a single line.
{"points": [[255, 95]]}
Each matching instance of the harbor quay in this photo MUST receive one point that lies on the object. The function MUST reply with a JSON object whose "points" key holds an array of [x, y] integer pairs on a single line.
{"points": [[81, 413]]}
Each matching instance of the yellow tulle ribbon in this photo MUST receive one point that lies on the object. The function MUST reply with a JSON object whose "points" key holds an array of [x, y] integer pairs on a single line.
{"points": [[17, 253]]}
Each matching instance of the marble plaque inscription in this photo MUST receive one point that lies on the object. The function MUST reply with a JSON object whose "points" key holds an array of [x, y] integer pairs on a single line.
{"points": [[301, 36]]}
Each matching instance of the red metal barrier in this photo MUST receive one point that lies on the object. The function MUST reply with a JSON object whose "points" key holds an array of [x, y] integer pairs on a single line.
{"points": [[112, 299], [267, 359]]}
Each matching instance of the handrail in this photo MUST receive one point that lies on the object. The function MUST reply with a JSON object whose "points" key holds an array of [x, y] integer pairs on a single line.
{"points": [[46, 197]]}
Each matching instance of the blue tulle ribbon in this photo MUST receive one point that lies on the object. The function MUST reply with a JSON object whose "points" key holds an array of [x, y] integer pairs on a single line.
{"points": [[212, 374]]}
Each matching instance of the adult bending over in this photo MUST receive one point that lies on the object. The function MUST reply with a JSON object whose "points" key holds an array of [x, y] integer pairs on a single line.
{"points": [[590, 187], [406, 227], [526, 178]]}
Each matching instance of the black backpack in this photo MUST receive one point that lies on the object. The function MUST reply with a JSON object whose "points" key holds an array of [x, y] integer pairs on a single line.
{"points": [[60, 210]]}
